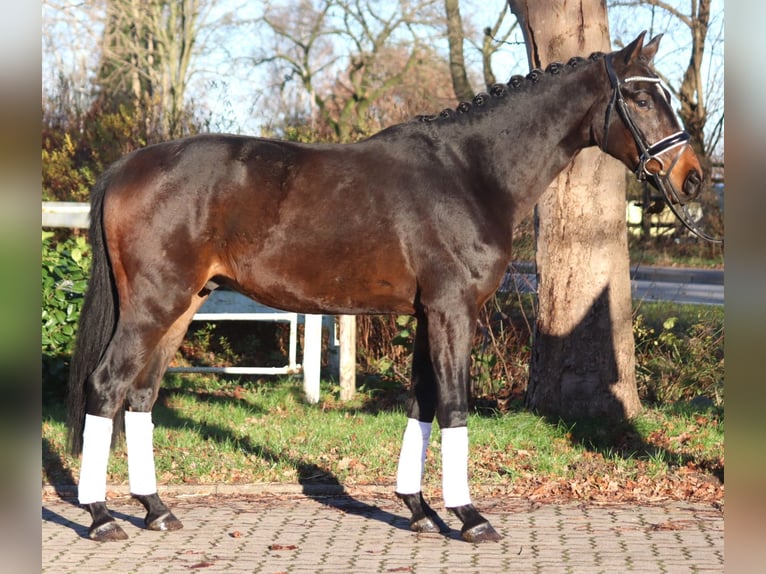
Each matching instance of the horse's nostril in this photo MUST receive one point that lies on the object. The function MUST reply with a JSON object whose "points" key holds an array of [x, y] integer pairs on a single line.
{"points": [[692, 184]]}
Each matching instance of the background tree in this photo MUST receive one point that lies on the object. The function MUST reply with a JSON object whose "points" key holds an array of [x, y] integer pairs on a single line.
{"points": [[343, 56], [583, 362], [493, 37], [146, 61], [460, 84], [128, 86]]}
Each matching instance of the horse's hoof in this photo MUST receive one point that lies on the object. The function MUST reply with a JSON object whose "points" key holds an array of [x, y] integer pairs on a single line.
{"points": [[165, 521], [424, 526], [483, 532], [107, 532]]}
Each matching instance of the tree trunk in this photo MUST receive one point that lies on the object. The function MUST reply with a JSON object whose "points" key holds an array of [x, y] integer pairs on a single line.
{"points": [[460, 84], [693, 110], [583, 359]]}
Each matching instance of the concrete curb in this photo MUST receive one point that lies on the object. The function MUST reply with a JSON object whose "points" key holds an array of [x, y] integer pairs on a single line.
{"points": [[69, 491]]}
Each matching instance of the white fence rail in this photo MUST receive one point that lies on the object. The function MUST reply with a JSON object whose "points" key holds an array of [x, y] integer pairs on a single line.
{"points": [[66, 214], [231, 306]]}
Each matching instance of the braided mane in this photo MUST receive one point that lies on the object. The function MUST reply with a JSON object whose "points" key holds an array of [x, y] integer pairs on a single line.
{"points": [[516, 84]]}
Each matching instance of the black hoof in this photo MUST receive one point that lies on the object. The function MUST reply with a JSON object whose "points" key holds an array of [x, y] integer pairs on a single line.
{"points": [[103, 528], [158, 516], [166, 521], [476, 528], [480, 533], [424, 518], [425, 525], [107, 532]]}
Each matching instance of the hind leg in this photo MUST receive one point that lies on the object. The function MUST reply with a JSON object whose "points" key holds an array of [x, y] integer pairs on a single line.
{"points": [[97, 437], [102, 405], [120, 371], [139, 427]]}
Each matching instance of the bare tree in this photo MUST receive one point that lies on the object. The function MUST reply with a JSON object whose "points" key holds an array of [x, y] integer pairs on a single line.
{"points": [[334, 50], [146, 58], [492, 38], [455, 36], [583, 362], [69, 49]]}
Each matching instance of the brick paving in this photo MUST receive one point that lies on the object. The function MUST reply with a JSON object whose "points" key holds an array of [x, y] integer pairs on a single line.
{"points": [[368, 532]]}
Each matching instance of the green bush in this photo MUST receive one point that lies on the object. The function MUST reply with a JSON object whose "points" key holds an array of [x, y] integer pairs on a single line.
{"points": [[679, 353], [65, 267]]}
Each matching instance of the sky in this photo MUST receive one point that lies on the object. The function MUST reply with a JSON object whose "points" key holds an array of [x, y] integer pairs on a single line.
{"points": [[227, 85]]}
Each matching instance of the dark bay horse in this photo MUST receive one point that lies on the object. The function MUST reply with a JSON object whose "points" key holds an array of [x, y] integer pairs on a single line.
{"points": [[415, 220]]}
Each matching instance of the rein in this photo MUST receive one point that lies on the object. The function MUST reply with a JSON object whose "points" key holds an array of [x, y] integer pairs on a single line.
{"points": [[652, 152]]}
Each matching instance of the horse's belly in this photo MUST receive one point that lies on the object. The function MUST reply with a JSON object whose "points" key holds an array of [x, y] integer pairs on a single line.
{"points": [[326, 284]]}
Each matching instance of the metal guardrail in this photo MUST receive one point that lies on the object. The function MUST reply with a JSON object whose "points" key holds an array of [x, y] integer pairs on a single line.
{"points": [[231, 306]]}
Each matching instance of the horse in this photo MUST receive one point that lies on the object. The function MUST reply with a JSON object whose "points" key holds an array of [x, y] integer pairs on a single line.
{"points": [[416, 219]]}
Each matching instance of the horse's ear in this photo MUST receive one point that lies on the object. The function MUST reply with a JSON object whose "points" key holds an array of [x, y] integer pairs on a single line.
{"points": [[633, 50], [650, 50]]}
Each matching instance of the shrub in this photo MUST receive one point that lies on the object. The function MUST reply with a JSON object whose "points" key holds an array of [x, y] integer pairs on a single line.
{"points": [[65, 268], [679, 353]]}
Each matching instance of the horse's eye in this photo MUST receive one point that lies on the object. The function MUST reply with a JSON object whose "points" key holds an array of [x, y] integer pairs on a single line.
{"points": [[642, 103]]}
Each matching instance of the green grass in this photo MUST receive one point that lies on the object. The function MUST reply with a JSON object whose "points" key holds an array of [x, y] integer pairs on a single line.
{"points": [[213, 431]]}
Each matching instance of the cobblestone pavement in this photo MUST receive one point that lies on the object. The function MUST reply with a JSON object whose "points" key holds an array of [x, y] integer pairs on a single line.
{"points": [[367, 533]]}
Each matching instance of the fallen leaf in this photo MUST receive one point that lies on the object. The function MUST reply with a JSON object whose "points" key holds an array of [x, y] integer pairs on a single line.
{"points": [[283, 547]]}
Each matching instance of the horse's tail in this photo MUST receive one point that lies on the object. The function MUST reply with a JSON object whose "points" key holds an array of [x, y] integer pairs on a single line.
{"points": [[98, 318]]}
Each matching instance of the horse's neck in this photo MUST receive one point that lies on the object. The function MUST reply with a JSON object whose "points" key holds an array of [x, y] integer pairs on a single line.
{"points": [[530, 138]]}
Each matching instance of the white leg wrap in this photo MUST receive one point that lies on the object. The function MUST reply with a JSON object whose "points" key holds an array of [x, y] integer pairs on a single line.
{"points": [[96, 440], [138, 436], [455, 467], [412, 456]]}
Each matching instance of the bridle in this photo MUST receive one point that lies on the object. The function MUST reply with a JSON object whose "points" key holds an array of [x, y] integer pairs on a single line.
{"points": [[647, 153]]}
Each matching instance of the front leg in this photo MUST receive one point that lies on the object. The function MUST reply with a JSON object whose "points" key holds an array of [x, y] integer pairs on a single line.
{"points": [[450, 337], [457, 499], [421, 410]]}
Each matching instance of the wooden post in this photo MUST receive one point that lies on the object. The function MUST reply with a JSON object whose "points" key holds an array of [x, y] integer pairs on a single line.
{"points": [[312, 356], [330, 325], [347, 336]]}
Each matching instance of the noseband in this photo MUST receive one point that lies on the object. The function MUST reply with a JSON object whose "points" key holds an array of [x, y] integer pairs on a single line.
{"points": [[651, 152]]}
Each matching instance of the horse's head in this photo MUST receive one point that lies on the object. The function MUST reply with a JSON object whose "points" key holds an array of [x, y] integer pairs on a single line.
{"points": [[640, 128]]}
